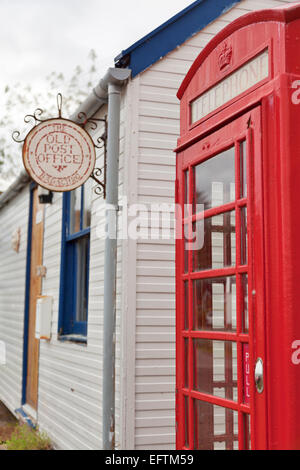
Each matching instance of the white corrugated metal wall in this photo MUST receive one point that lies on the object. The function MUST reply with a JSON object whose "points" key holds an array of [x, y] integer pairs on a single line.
{"points": [[12, 297]]}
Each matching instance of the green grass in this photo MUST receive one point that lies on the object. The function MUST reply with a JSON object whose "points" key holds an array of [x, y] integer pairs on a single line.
{"points": [[6, 432], [26, 438]]}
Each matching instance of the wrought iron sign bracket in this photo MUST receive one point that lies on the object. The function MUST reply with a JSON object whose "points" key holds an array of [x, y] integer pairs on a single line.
{"points": [[101, 143]]}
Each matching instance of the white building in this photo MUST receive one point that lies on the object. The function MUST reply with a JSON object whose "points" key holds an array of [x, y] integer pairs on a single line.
{"points": [[4, 184], [59, 383]]}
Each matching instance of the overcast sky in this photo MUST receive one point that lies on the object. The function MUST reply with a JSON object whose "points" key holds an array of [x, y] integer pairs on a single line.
{"points": [[40, 36]]}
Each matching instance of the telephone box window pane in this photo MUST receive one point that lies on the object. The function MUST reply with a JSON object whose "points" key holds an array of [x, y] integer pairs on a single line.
{"points": [[244, 242], [215, 180], [244, 298], [186, 250], [186, 193], [186, 306], [243, 169], [186, 363], [214, 304], [186, 414], [217, 251], [215, 427], [247, 431], [215, 368]]}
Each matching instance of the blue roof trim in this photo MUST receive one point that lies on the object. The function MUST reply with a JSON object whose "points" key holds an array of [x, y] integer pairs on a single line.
{"points": [[171, 34]]}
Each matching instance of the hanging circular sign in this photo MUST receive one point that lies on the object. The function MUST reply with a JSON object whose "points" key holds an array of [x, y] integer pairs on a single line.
{"points": [[59, 155]]}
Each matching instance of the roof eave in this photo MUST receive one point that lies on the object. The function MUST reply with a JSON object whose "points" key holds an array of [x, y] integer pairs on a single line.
{"points": [[171, 34], [14, 189]]}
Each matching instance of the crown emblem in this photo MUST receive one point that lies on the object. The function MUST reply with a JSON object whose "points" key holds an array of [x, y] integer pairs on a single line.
{"points": [[225, 56]]}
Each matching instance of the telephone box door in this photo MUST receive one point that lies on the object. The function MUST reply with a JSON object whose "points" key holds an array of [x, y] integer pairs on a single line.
{"points": [[221, 363]]}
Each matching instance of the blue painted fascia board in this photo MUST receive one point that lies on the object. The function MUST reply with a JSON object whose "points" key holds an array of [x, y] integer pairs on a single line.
{"points": [[172, 34], [27, 293]]}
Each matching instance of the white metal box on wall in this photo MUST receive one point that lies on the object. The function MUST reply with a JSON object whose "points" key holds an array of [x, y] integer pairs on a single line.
{"points": [[43, 317]]}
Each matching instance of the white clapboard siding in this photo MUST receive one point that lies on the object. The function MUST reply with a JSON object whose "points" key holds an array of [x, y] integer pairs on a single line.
{"points": [[158, 130], [12, 297], [70, 375]]}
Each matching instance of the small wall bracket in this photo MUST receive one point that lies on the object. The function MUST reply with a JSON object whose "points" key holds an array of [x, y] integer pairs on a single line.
{"points": [[92, 123]]}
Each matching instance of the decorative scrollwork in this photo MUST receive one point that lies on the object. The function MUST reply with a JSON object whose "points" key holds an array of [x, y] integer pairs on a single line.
{"points": [[98, 172], [32, 119], [100, 189], [38, 112], [36, 118], [28, 118], [93, 122], [100, 143], [16, 135], [82, 118]]}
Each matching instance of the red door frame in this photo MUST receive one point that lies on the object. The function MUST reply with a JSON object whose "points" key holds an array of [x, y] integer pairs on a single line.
{"points": [[247, 127], [277, 190]]}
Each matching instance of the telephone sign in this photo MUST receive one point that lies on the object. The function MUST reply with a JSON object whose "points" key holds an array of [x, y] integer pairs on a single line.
{"points": [[237, 295]]}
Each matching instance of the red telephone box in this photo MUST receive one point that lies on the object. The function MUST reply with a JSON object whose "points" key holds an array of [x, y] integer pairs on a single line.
{"points": [[238, 257]]}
